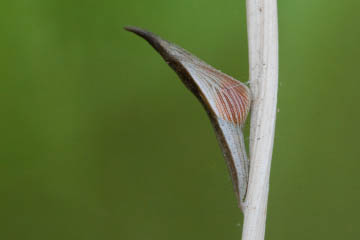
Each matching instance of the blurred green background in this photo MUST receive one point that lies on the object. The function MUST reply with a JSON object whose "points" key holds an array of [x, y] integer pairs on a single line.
{"points": [[100, 139]]}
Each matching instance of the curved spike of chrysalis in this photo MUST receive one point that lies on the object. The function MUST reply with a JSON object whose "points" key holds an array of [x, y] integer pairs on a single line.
{"points": [[226, 100]]}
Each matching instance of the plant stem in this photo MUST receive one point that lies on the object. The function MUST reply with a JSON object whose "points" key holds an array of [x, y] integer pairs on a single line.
{"points": [[263, 63]]}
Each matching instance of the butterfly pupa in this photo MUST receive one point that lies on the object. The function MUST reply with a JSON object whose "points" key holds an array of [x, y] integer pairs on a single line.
{"points": [[226, 101]]}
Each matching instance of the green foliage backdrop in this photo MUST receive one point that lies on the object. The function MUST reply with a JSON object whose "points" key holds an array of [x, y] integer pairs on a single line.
{"points": [[100, 140]]}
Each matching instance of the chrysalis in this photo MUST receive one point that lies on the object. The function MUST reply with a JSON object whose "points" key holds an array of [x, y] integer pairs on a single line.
{"points": [[226, 100]]}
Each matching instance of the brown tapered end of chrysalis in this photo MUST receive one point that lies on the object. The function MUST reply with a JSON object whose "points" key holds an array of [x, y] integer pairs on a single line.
{"points": [[148, 36], [226, 100], [161, 46]]}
